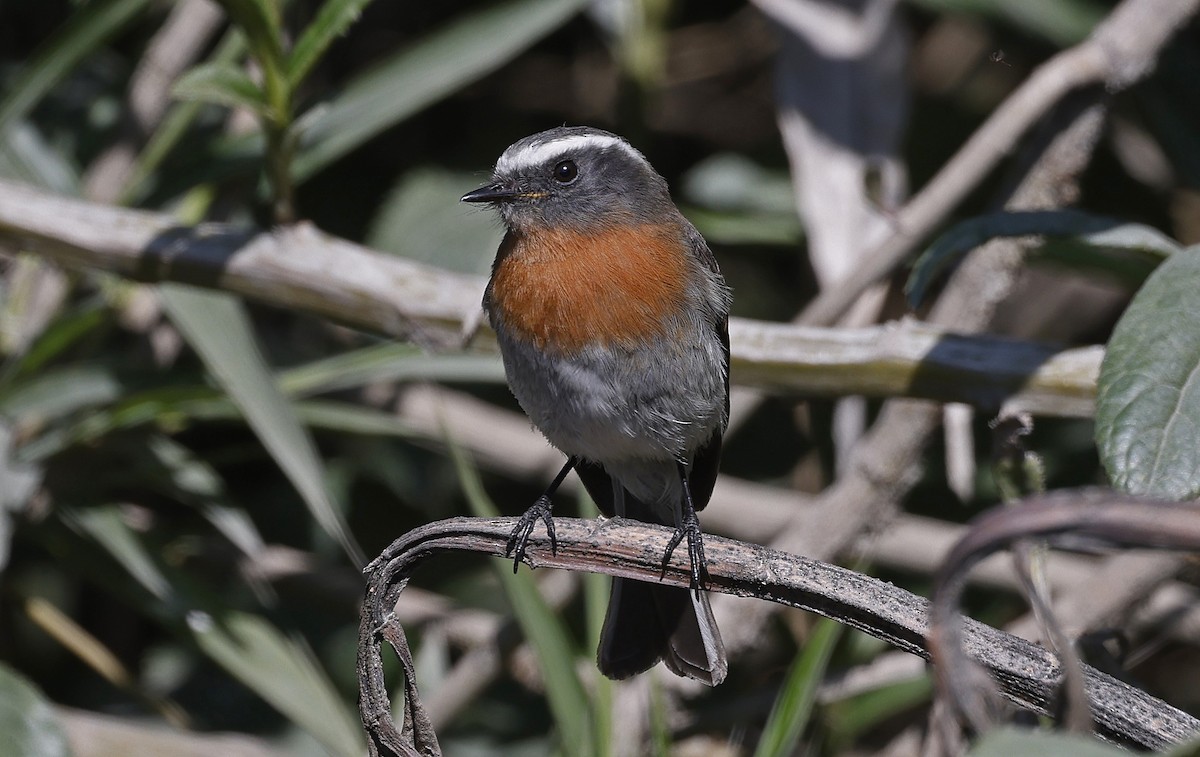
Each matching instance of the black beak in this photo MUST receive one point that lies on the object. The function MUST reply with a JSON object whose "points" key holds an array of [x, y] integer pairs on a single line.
{"points": [[493, 193]]}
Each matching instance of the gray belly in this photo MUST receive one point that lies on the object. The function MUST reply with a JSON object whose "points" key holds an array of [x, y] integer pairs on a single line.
{"points": [[613, 405]]}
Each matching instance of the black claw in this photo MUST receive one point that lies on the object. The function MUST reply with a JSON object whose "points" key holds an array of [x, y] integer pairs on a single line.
{"points": [[696, 559], [518, 539]]}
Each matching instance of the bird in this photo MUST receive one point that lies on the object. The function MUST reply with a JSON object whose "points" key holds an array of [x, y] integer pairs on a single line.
{"points": [[612, 319]]}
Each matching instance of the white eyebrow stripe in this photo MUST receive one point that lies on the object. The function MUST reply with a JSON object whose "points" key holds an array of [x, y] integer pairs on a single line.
{"points": [[531, 156]]}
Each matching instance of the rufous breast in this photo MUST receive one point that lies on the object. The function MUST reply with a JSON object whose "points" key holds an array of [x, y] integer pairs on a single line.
{"points": [[616, 286]]}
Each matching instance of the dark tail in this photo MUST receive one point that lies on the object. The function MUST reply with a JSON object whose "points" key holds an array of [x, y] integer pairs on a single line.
{"points": [[647, 623]]}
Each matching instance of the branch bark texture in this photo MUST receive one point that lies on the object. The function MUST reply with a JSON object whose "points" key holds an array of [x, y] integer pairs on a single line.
{"points": [[1027, 674]]}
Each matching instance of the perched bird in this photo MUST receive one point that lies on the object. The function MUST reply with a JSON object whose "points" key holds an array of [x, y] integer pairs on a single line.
{"points": [[612, 319]]}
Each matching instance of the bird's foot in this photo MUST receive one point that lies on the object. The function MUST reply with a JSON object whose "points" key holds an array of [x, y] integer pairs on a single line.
{"points": [[518, 540], [689, 529]]}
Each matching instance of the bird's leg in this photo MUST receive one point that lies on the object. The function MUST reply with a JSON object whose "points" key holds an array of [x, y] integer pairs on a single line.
{"points": [[689, 526], [519, 538]]}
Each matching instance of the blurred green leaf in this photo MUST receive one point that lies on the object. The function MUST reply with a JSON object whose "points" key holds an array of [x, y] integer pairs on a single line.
{"points": [[1148, 398], [66, 330], [259, 21], [27, 157], [334, 18], [174, 126], [388, 361], [793, 705], [421, 219], [218, 328], [1007, 742], [108, 529], [1104, 238], [1189, 748], [281, 671], [222, 84], [55, 393], [744, 228], [29, 726], [734, 183], [432, 68], [848, 720], [86, 30], [542, 627]]}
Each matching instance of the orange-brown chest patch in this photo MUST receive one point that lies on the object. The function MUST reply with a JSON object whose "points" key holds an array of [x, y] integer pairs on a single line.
{"points": [[566, 290]]}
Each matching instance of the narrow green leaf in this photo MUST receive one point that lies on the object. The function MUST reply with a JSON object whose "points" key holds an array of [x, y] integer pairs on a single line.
{"points": [[438, 65], [218, 328], [259, 21], [1009, 741], [793, 705], [542, 627], [334, 18], [1148, 394], [66, 330], [55, 393], [388, 361], [222, 84], [1101, 235], [175, 125], [107, 528], [86, 30], [283, 672], [29, 726], [27, 157]]}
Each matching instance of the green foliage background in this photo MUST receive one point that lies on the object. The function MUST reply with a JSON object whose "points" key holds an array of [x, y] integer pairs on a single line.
{"points": [[188, 484]]}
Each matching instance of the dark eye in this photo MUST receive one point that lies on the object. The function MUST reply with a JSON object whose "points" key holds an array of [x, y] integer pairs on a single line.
{"points": [[565, 171]]}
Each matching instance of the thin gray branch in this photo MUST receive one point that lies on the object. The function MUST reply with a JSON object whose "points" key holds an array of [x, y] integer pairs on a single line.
{"points": [[1028, 675], [302, 269]]}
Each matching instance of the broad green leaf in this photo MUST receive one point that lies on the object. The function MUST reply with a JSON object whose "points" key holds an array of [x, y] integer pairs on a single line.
{"points": [[543, 628], [1101, 236], [218, 328], [1148, 394], [1008, 741], [282, 671], [421, 220], [222, 84], [80, 36], [332, 21], [436, 66], [29, 726], [793, 705]]}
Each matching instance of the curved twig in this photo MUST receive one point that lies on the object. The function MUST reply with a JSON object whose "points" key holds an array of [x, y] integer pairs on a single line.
{"points": [[1092, 517], [1028, 674]]}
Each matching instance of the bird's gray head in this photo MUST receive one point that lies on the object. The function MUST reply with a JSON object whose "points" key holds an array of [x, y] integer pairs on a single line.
{"points": [[574, 177]]}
